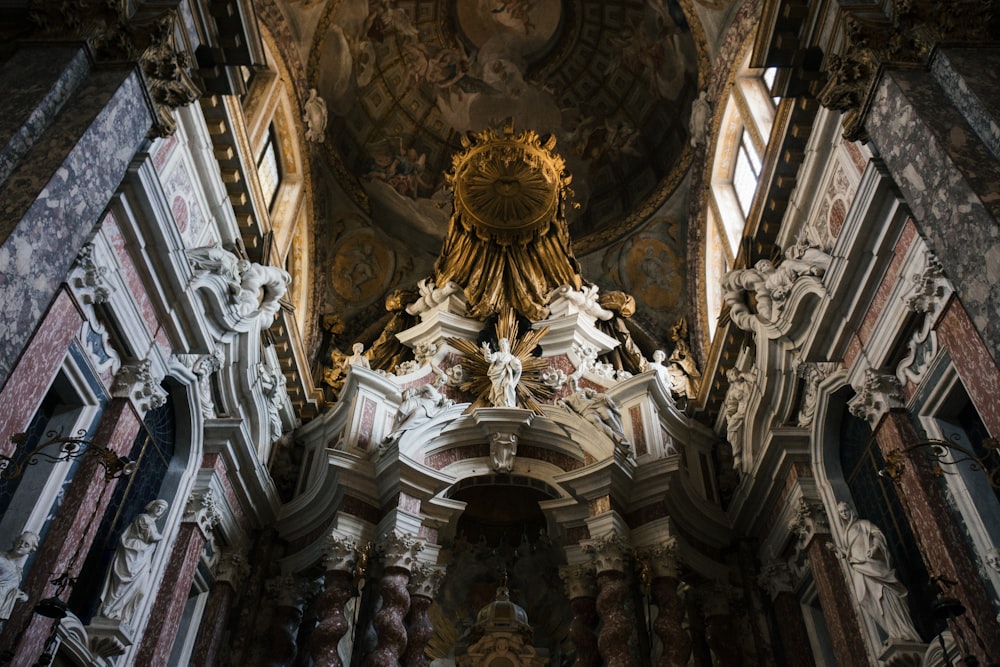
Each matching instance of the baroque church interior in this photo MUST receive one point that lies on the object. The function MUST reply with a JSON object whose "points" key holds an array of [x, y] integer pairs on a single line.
{"points": [[488, 333]]}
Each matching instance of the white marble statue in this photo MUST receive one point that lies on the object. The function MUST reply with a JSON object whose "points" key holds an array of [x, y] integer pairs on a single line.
{"points": [[600, 410], [315, 117], [11, 566], [129, 577], [771, 283], [432, 296], [357, 358], [882, 597], [504, 373], [260, 288], [420, 405], [701, 117], [734, 409]]}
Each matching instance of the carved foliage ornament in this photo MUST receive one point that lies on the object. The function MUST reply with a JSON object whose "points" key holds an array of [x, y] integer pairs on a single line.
{"points": [[115, 32], [878, 393], [906, 34]]}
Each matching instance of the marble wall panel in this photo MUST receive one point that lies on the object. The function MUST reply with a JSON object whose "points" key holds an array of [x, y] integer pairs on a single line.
{"points": [[37, 367], [971, 79], [130, 276], [978, 370], [881, 298], [50, 205]]}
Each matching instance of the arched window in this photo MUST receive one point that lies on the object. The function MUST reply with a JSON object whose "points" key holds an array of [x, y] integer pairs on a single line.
{"points": [[737, 161]]}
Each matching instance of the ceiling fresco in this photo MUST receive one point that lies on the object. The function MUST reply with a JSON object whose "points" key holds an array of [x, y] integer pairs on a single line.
{"points": [[612, 81]]}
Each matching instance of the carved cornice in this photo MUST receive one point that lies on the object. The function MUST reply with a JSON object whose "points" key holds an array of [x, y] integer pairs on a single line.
{"points": [[119, 31], [904, 36], [878, 393]]}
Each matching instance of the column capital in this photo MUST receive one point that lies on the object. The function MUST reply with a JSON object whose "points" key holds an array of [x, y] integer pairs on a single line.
{"points": [[579, 580], [425, 580], [810, 520], [399, 550], [231, 567], [340, 553], [609, 552]]}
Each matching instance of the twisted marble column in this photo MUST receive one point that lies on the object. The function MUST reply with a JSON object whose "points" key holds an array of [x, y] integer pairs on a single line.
{"points": [[399, 553], [617, 640], [279, 641], [333, 625], [581, 589], [669, 623], [424, 582], [719, 629]]}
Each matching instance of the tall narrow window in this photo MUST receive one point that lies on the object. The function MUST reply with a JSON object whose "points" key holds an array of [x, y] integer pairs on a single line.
{"points": [[746, 173], [269, 168]]}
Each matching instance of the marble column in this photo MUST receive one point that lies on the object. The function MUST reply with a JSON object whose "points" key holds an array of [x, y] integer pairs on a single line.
{"points": [[668, 626], [278, 644], [581, 589], [939, 534], [72, 530], [399, 556], [338, 588], [48, 214], [200, 516], [842, 622], [719, 628], [949, 178], [776, 578], [424, 583], [231, 571], [617, 638]]}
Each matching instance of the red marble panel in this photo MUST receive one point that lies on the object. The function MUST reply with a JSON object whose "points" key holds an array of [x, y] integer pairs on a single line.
{"points": [[835, 601], [172, 596], [36, 368], [367, 423], [854, 152], [428, 534], [577, 534], [162, 151], [853, 351], [562, 461], [129, 273], [638, 432], [179, 209], [892, 274], [208, 646], [408, 503], [215, 462], [838, 213], [973, 362], [360, 509]]}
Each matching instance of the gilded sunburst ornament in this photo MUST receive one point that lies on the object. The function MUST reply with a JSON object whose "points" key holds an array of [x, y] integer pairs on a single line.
{"points": [[527, 387]]}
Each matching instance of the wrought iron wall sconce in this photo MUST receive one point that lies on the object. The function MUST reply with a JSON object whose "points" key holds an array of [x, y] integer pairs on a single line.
{"points": [[943, 453], [69, 448]]}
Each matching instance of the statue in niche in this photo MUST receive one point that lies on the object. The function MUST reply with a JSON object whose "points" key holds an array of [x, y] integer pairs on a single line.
{"points": [[420, 405], [357, 358], [882, 597], [11, 569], [701, 117], [503, 449], [682, 370], [129, 576], [315, 117], [504, 373], [734, 408]]}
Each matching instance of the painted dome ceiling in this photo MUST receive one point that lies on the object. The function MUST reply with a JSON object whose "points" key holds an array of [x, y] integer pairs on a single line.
{"points": [[403, 79]]}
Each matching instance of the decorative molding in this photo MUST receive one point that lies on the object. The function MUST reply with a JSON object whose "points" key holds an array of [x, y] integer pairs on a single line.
{"points": [[810, 520], [232, 567], [135, 381], [905, 35], [89, 280], [878, 393], [203, 508]]}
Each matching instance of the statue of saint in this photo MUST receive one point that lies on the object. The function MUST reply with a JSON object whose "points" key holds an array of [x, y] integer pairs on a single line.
{"points": [[601, 411], [315, 117], [504, 374], [357, 358], [881, 595], [420, 405], [128, 578], [11, 566]]}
